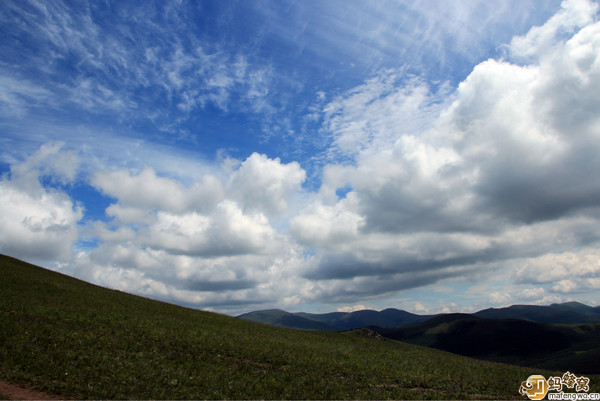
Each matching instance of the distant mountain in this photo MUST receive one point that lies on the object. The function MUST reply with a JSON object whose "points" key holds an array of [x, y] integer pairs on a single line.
{"points": [[519, 342], [363, 318], [277, 317], [566, 313], [335, 321], [559, 336]]}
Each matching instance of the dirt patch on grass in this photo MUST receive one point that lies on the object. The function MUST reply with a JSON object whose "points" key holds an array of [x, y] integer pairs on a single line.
{"points": [[20, 392]]}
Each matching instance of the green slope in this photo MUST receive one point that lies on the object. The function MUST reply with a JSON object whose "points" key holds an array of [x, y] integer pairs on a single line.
{"points": [[78, 340]]}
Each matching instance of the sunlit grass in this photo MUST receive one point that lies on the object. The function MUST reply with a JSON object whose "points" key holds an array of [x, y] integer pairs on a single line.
{"points": [[78, 340]]}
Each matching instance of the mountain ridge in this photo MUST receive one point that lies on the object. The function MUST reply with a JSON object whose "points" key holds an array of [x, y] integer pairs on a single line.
{"points": [[557, 313], [335, 321]]}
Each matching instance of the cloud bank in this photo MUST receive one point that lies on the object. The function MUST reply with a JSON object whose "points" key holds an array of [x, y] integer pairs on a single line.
{"points": [[487, 190]]}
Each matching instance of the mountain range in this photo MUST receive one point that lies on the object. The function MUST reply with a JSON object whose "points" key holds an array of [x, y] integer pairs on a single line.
{"points": [[558, 337], [334, 321], [573, 347], [565, 313]]}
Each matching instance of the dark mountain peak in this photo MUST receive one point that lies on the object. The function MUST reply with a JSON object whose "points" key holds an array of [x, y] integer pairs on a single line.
{"points": [[265, 312], [364, 312], [339, 321], [395, 311], [572, 304], [281, 318]]}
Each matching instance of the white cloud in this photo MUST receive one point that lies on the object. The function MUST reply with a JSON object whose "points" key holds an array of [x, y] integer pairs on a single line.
{"points": [[37, 222], [203, 243], [18, 95], [419, 308], [134, 69], [51, 161], [352, 308], [265, 184], [532, 293], [564, 286], [555, 267], [449, 308], [148, 191], [207, 281], [540, 40], [375, 114], [227, 231], [500, 298], [40, 225], [505, 171], [129, 214], [327, 226], [530, 131]]}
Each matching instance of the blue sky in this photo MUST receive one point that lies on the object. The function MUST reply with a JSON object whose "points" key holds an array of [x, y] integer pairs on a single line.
{"points": [[306, 155]]}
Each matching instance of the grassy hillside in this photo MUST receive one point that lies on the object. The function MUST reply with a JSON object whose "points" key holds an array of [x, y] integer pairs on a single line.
{"points": [[522, 342], [78, 340]]}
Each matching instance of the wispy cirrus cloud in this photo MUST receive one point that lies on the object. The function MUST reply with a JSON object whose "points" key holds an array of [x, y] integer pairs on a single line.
{"points": [[438, 36], [137, 66]]}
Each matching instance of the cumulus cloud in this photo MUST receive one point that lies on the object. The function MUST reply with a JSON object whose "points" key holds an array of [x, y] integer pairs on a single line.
{"points": [[506, 170], [352, 308], [147, 191], [532, 293], [40, 225], [207, 281], [500, 298], [51, 161], [227, 231], [529, 134], [565, 272], [36, 221], [206, 243], [541, 40], [327, 225], [265, 184]]}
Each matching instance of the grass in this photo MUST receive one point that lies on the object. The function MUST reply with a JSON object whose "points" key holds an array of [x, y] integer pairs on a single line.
{"points": [[77, 340]]}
